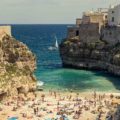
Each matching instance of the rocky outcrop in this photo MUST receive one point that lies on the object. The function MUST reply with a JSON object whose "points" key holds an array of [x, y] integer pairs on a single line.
{"points": [[17, 64], [90, 55]]}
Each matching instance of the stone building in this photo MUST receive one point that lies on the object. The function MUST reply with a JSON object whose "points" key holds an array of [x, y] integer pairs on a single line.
{"points": [[95, 17], [92, 19], [78, 21], [103, 24], [89, 32], [111, 34], [72, 32], [114, 15]]}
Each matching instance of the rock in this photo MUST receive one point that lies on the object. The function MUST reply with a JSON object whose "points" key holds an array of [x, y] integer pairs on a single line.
{"points": [[91, 55], [17, 64]]}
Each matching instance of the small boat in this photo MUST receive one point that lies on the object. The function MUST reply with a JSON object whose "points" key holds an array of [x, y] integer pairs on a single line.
{"points": [[40, 85], [54, 47], [39, 89]]}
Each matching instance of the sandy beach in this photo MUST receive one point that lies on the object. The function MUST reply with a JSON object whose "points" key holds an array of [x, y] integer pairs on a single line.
{"points": [[54, 105]]}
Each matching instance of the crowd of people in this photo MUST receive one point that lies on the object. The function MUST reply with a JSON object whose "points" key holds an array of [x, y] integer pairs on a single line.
{"points": [[54, 105]]}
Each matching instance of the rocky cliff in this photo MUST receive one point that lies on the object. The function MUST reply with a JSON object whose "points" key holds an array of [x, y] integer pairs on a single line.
{"points": [[17, 64], [90, 55]]}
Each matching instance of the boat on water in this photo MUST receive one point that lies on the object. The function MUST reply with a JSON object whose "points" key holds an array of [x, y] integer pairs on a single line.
{"points": [[40, 85], [54, 47]]}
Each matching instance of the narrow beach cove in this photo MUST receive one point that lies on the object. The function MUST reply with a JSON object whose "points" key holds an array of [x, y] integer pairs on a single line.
{"points": [[49, 68]]}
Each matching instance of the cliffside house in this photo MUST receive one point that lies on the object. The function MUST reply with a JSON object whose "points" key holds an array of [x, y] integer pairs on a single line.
{"points": [[89, 32], [103, 24], [114, 15], [78, 21], [90, 18], [95, 17], [111, 33]]}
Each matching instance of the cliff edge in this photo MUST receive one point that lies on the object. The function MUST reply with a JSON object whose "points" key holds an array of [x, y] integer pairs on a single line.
{"points": [[17, 64], [97, 54]]}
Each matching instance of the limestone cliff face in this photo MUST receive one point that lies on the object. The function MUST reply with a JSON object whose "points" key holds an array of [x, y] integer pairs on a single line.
{"points": [[17, 64], [91, 55]]}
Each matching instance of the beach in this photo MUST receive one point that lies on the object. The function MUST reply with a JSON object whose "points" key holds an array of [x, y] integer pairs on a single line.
{"points": [[64, 106]]}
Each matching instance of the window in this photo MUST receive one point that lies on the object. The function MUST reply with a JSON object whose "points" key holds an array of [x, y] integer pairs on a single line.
{"points": [[112, 11], [110, 33], [113, 19], [77, 33], [106, 16]]}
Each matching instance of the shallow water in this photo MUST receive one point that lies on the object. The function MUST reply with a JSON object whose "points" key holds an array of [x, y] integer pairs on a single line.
{"points": [[49, 65], [13, 118]]}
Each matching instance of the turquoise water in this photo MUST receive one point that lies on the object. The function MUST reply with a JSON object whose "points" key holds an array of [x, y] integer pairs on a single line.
{"points": [[49, 65], [13, 118], [79, 80]]}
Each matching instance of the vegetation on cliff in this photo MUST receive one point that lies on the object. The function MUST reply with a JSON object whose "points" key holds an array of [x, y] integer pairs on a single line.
{"points": [[92, 55], [17, 64]]}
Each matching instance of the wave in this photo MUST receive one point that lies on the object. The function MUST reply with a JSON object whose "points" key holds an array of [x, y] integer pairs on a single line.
{"points": [[40, 83]]}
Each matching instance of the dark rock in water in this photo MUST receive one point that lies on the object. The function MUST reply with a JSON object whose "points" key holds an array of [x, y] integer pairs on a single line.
{"points": [[90, 55], [39, 89]]}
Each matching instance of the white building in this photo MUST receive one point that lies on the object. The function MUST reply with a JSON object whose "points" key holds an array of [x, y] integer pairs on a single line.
{"points": [[114, 15]]}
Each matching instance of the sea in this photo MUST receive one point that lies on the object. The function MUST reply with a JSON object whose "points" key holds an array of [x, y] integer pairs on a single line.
{"points": [[49, 65]]}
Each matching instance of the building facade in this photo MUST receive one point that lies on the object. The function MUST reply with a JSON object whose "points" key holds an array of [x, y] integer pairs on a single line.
{"points": [[95, 17], [78, 21], [89, 32], [114, 15], [72, 32], [103, 24], [111, 34], [91, 21]]}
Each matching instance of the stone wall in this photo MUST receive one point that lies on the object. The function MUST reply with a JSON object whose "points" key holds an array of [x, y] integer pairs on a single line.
{"points": [[114, 15], [5, 30], [89, 32], [111, 34], [72, 32], [78, 21], [94, 17]]}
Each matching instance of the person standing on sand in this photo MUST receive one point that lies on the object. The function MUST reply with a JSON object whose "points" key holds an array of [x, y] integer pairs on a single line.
{"points": [[70, 97], [58, 107], [94, 94], [55, 94], [35, 94], [43, 97], [35, 111]]}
